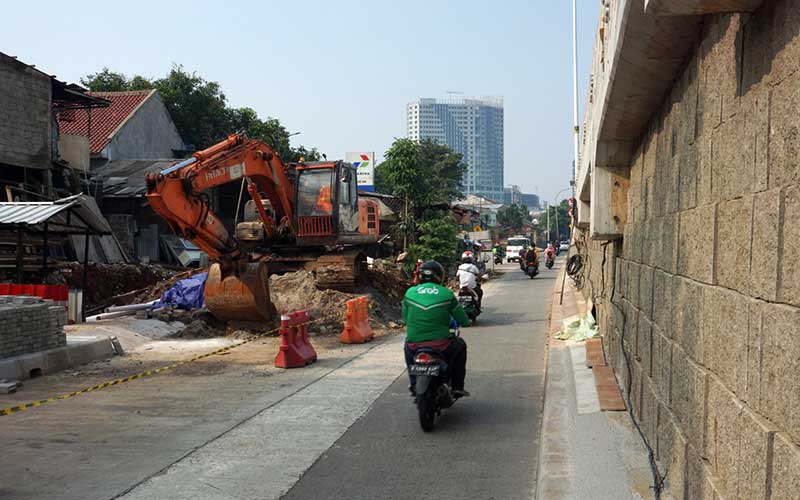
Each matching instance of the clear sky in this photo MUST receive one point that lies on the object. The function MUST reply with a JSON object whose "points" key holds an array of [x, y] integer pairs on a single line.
{"points": [[340, 71]]}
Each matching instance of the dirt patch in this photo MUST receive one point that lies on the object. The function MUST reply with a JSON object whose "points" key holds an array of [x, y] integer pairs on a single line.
{"points": [[106, 281]]}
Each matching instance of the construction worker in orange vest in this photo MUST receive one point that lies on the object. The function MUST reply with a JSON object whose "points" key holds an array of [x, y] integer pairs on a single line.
{"points": [[324, 204]]}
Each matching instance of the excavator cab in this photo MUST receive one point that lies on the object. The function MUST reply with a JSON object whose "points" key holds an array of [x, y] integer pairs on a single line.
{"points": [[327, 206]]}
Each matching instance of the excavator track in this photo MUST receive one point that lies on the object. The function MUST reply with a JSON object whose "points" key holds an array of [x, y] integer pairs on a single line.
{"points": [[341, 271]]}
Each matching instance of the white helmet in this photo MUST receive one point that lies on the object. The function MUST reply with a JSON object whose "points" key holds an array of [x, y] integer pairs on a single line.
{"points": [[466, 257]]}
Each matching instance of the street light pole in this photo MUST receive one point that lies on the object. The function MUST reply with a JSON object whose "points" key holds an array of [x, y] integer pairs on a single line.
{"points": [[547, 204], [576, 126]]}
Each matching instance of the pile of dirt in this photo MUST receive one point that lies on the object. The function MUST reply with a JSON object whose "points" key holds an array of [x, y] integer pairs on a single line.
{"points": [[105, 281], [298, 291]]}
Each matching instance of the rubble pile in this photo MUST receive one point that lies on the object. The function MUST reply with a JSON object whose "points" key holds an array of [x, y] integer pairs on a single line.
{"points": [[298, 290], [390, 281], [200, 324]]}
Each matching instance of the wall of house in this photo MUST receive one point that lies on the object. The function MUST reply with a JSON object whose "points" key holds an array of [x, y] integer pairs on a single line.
{"points": [[148, 134], [74, 149], [25, 115], [705, 286]]}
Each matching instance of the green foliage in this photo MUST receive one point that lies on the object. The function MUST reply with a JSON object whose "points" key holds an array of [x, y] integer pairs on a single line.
{"points": [[427, 172], [422, 174], [110, 81], [200, 110], [438, 240], [513, 217]]}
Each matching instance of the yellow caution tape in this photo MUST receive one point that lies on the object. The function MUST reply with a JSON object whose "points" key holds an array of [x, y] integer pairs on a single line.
{"points": [[149, 373]]}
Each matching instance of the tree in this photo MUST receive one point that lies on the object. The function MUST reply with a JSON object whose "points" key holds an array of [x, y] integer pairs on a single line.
{"points": [[513, 217], [422, 174], [438, 240], [198, 107], [110, 81], [270, 131], [200, 110], [427, 172]]}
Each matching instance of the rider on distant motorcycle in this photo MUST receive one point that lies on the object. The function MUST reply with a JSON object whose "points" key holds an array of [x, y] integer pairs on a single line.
{"points": [[467, 275], [550, 252], [532, 257], [427, 311]]}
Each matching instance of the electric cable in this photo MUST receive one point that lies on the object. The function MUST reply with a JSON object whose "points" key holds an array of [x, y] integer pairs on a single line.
{"points": [[658, 479]]}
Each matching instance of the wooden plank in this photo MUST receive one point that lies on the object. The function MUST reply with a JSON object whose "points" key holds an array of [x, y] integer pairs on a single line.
{"points": [[594, 352], [607, 389]]}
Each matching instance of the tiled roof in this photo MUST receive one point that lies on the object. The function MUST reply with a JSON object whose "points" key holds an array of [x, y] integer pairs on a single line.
{"points": [[105, 121]]}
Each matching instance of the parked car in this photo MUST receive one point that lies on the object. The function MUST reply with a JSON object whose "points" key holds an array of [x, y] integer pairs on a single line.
{"points": [[563, 246]]}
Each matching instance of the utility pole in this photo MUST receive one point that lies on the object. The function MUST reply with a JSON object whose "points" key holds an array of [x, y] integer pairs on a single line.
{"points": [[576, 126], [547, 204]]}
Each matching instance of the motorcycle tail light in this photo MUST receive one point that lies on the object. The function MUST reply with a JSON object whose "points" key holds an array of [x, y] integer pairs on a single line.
{"points": [[423, 358]]}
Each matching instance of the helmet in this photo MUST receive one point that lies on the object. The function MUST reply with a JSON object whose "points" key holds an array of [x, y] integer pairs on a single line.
{"points": [[466, 257], [431, 272]]}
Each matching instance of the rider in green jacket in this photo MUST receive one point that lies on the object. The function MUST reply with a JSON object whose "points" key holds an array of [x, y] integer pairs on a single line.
{"points": [[427, 312]]}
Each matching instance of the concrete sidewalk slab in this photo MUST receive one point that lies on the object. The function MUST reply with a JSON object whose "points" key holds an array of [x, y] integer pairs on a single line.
{"points": [[585, 453], [265, 455]]}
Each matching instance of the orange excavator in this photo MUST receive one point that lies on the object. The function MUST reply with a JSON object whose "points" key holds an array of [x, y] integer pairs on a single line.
{"points": [[300, 216]]}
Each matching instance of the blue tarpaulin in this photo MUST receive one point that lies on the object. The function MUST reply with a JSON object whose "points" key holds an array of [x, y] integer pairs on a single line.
{"points": [[185, 294]]}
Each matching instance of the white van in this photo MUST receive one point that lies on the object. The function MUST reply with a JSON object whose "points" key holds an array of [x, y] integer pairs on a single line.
{"points": [[514, 245]]}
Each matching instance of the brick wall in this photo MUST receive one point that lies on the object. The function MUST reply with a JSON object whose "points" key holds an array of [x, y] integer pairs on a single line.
{"points": [[30, 324], [706, 282], [25, 126]]}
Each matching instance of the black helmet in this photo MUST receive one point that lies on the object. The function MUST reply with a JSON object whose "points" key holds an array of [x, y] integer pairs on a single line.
{"points": [[431, 272]]}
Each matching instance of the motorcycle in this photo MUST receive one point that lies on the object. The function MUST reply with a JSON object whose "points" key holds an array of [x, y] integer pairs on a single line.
{"points": [[549, 262], [433, 390], [498, 259], [469, 302], [532, 271]]}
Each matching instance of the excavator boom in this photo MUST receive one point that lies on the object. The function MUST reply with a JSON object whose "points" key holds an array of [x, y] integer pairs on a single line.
{"points": [[236, 287]]}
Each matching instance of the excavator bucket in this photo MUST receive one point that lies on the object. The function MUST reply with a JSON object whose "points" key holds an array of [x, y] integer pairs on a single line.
{"points": [[242, 295]]}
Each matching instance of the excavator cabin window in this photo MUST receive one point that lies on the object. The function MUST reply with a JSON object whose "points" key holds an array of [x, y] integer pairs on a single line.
{"points": [[314, 192], [348, 201]]}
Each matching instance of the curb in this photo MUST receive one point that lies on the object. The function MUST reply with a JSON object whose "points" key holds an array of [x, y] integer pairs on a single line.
{"points": [[75, 353]]}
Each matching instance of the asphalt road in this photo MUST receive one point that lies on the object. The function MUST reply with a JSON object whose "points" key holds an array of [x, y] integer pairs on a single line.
{"points": [[485, 447]]}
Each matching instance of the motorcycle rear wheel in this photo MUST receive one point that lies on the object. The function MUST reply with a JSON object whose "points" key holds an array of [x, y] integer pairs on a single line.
{"points": [[426, 405]]}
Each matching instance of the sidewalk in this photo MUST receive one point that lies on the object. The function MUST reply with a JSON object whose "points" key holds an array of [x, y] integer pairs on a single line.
{"points": [[585, 452]]}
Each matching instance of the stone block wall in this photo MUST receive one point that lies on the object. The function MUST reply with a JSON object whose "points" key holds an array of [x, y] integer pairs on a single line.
{"points": [[30, 324], [25, 115], [705, 285]]}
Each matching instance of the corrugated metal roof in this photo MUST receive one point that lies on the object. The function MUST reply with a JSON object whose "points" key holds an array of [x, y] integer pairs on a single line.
{"points": [[125, 178], [84, 215]]}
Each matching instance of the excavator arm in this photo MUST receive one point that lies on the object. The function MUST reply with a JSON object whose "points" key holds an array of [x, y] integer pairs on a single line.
{"points": [[177, 193], [236, 289]]}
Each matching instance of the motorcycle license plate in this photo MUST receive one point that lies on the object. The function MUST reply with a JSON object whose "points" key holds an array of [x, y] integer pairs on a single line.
{"points": [[429, 370]]}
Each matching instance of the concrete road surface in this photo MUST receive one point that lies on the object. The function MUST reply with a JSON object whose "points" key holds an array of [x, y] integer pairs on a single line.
{"points": [[485, 447], [344, 428]]}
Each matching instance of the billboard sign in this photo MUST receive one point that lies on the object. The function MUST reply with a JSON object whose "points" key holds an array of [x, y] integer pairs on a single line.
{"points": [[365, 167]]}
